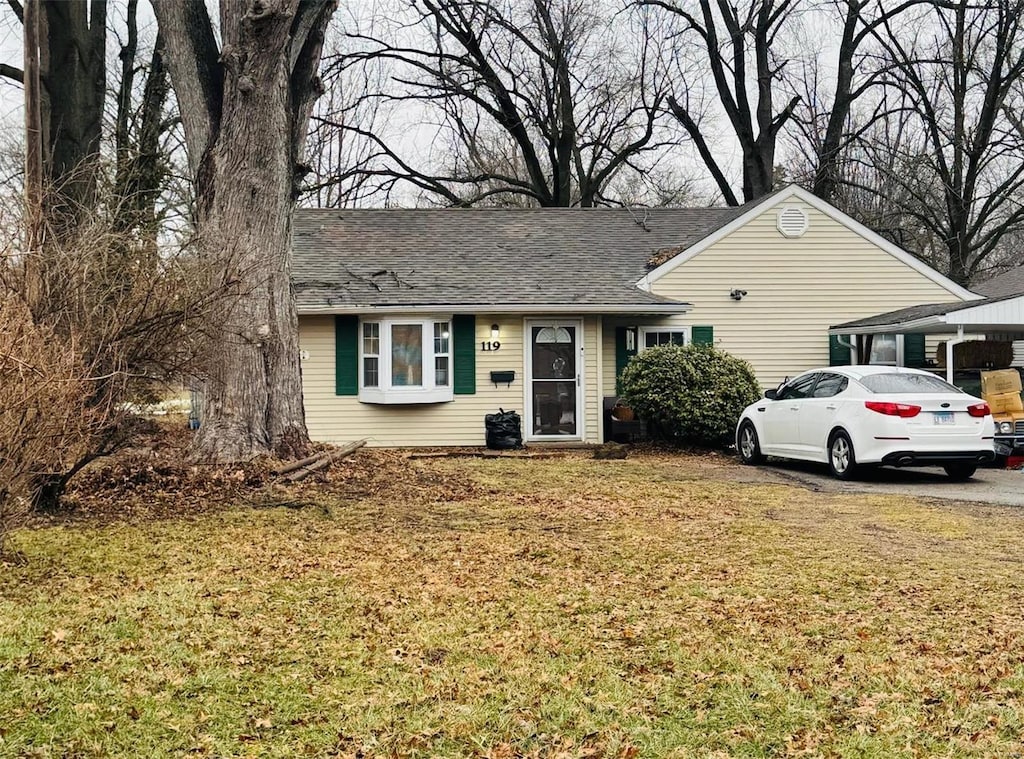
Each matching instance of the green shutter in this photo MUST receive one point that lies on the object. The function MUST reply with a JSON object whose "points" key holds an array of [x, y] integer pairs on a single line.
{"points": [[622, 353], [346, 355], [703, 335], [838, 355], [913, 349], [464, 354]]}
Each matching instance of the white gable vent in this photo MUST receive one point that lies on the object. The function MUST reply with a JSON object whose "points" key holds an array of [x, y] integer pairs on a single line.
{"points": [[792, 221]]}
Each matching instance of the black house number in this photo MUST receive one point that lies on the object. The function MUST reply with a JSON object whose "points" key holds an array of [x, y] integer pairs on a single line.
{"points": [[490, 345]]}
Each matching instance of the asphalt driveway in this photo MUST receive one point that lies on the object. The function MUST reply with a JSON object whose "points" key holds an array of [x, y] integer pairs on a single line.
{"points": [[1001, 486]]}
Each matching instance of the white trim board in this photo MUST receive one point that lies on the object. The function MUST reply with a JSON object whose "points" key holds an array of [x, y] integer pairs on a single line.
{"points": [[655, 309], [797, 192]]}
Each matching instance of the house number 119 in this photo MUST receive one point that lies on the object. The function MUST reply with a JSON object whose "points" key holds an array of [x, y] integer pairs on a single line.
{"points": [[490, 345]]}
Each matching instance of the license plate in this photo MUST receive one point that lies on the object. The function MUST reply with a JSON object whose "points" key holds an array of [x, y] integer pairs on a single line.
{"points": [[944, 417]]}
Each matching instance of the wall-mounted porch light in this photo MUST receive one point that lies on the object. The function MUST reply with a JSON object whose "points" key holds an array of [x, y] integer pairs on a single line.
{"points": [[495, 332]]}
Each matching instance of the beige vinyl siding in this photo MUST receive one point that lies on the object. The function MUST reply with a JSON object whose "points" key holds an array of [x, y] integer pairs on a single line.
{"points": [[796, 289], [460, 422], [591, 381]]}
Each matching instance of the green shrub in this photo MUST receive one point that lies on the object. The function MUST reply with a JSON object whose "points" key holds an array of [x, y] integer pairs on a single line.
{"points": [[689, 394]]}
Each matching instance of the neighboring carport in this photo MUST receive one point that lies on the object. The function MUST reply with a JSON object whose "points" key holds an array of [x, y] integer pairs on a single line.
{"points": [[1001, 317]]}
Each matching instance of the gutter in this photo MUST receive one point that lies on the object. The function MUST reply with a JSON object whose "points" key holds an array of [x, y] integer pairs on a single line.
{"points": [[949, 352], [498, 308], [852, 346]]}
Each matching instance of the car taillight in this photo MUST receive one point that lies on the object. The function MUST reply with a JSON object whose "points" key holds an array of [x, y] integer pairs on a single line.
{"points": [[979, 409], [902, 410]]}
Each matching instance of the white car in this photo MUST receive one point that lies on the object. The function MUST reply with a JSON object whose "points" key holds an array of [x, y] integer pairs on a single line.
{"points": [[849, 416]]}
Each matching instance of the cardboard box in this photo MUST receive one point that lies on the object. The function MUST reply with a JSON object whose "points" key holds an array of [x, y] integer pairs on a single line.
{"points": [[1004, 403], [1000, 382]]}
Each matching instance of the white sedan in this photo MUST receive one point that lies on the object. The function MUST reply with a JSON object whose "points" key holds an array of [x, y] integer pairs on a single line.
{"points": [[848, 416]]}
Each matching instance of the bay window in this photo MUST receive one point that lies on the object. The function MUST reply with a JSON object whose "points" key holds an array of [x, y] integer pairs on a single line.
{"points": [[405, 360]]}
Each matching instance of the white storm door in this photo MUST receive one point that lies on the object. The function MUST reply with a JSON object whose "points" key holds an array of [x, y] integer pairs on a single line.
{"points": [[554, 371]]}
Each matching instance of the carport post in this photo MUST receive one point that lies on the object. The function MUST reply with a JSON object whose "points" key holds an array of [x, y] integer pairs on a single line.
{"points": [[949, 352]]}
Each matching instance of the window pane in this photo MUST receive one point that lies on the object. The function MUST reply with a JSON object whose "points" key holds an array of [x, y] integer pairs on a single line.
{"points": [[406, 355], [798, 388], [883, 349], [441, 335], [664, 337], [371, 373], [830, 385], [441, 371], [371, 338]]}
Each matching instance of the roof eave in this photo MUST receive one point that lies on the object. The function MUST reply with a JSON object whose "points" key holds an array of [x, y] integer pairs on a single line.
{"points": [[925, 324], [665, 309]]}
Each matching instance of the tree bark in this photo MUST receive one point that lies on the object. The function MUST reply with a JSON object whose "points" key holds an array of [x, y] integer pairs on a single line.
{"points": [[245, 109], [73, 70]]}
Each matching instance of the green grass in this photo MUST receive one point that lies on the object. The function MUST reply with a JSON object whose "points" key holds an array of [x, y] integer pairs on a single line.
{"points": [[568, 607]]}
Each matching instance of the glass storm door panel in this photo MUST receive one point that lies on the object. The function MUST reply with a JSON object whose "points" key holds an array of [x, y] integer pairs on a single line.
{"points": [[555, 375]]}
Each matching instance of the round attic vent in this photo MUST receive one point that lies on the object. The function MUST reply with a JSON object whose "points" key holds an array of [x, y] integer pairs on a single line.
{"points": [[792, 221]]}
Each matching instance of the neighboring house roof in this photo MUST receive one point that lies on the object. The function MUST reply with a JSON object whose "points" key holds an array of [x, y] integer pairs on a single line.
{"points": [[1005, 312], [1007, 283], [577, 258], [746, 213]]}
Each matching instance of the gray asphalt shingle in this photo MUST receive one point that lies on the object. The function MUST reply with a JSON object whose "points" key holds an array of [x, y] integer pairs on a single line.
{"points": [[1007, 283], [537, 256]]}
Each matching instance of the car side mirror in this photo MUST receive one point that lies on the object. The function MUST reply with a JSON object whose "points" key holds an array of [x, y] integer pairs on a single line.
{"points": [[771, 394]]}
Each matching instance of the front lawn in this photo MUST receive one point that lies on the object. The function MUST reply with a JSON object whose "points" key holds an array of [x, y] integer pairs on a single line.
{"points": [[568, 607]]}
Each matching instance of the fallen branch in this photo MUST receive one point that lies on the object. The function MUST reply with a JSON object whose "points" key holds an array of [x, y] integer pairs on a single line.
{"points": [[293, 465], [306, 467]]}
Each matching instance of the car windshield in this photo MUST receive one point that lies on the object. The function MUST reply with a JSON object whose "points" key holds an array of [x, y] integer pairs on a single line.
{"points": [[906, 383]]}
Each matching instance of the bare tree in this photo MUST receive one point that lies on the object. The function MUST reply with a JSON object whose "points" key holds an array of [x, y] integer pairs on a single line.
{"points": [[955, 168], [128, 324], [741, 44], [828, 121], [245, 106], [547, 101], [71, 52], [335, 151]]}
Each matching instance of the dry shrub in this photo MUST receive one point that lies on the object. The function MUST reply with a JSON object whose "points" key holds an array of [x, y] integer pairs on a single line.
{"points": [[117, 315], [45, 423]]}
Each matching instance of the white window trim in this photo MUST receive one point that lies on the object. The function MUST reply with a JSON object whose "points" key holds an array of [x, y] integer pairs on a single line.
{"points": [[643, 331], [428, 392]]}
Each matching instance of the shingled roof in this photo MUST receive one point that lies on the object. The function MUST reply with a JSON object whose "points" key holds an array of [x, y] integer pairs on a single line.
{"points": [[913, 313], [489, 257], [1007, 283]]}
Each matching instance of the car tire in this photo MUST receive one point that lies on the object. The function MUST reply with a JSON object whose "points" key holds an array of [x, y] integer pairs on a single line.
{"points": [[960, 472], [841, 458], [747, 444]]}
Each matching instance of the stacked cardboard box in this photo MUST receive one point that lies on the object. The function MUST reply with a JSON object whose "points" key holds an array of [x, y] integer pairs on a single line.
{"points": [[1001, 390]]}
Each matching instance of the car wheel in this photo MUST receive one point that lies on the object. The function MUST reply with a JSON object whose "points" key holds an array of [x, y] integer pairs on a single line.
{"points": [[748, 445], [841, 458], [960, 472]]}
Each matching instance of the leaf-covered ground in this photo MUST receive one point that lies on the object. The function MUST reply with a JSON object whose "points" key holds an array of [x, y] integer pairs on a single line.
{"points": [[568, 607]]}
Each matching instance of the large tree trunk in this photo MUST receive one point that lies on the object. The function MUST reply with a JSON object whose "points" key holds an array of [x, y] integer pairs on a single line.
{"points": [[74, 72], [245, 109]]}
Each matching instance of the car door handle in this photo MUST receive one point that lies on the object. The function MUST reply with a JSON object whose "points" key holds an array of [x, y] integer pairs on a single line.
{"points": [[831, 407], [794, 408]]}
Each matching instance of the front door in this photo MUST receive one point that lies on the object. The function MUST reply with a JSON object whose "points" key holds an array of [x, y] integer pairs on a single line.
{"points": [[554, 358]]}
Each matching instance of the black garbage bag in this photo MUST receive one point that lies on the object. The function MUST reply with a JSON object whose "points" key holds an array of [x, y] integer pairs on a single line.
{"points": [[504, 430]]}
